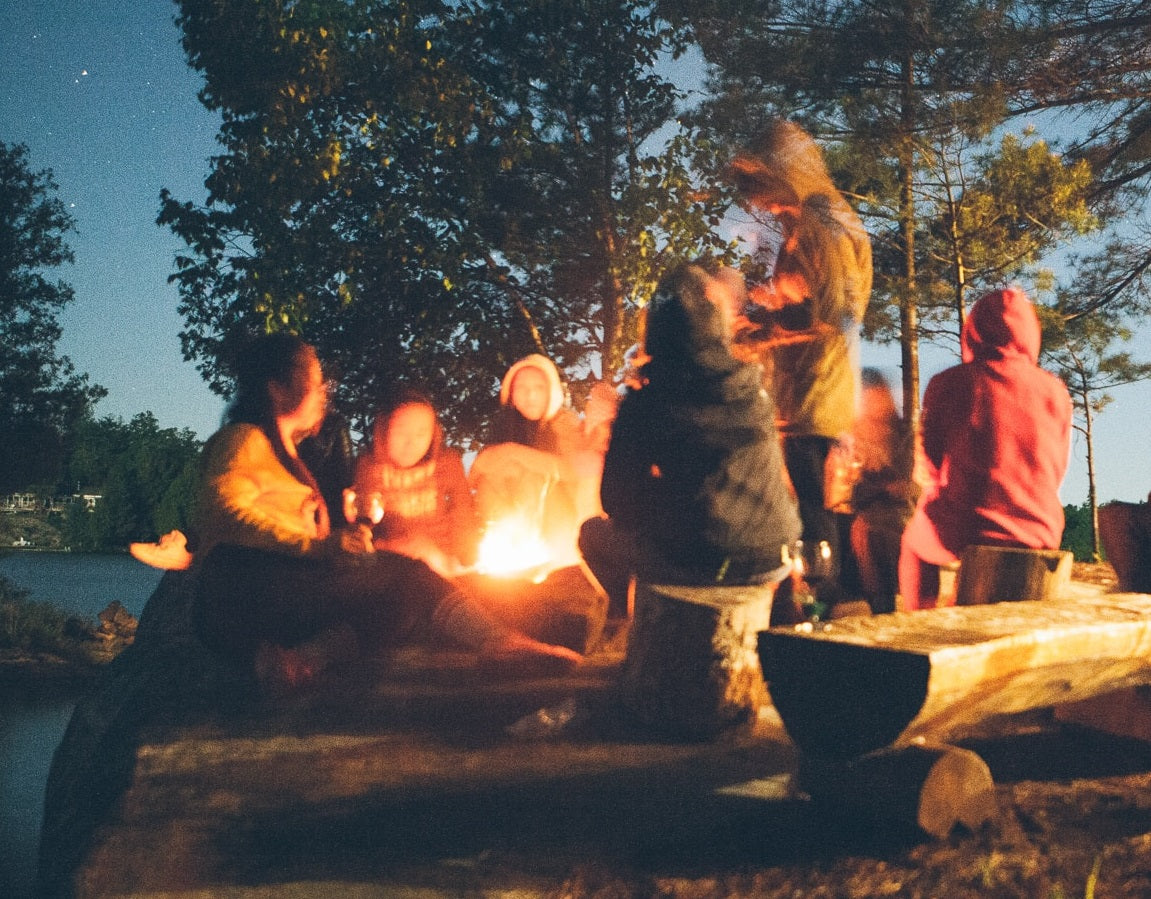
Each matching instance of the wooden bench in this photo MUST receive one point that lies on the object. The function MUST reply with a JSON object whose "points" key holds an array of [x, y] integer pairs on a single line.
{"points": [[857, 690]]}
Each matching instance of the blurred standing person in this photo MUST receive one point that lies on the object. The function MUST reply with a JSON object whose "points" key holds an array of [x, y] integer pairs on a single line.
{"points": [[884, 495], [812, 307], [996, 435]]}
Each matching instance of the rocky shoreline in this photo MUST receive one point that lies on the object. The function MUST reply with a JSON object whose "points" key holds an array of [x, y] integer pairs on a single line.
{"points": [[87, 653]]}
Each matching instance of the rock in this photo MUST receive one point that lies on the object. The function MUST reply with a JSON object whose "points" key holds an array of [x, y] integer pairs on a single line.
{"points": [[933, 787], [166, 668], [117, 622]]}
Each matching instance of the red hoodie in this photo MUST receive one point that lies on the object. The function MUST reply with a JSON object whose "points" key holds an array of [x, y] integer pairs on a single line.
{"points": [[996, 431]]}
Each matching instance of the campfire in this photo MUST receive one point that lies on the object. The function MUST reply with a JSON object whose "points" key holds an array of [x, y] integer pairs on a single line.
{"points": [[513, 548], [535, 585]]}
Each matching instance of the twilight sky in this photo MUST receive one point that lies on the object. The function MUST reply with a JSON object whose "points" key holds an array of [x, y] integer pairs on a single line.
{"points": [[100, 93]]}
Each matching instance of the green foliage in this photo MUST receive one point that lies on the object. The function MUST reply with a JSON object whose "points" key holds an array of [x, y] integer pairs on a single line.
{"points": [[991, 214], [33, 627], [913, 96], [1086, 351], [41, 396], [1078, 532], [146, 476], [9, 592], [81, 531], [427, 191]]}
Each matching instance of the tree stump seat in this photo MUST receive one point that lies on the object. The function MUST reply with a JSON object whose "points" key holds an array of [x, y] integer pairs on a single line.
{"points": [[692, 667], [856, 693], [1008, 574]]}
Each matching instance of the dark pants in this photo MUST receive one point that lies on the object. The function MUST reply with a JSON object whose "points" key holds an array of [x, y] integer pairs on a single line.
{"points": [[611, 555], [875, 543], [805, 458], [250, 596]]}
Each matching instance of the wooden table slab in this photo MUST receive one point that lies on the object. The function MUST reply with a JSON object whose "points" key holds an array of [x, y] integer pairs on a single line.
{"points": [[855, 685]]}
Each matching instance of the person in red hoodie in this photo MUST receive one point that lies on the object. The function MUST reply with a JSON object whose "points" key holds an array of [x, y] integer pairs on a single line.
{"points": [[996, 434]]}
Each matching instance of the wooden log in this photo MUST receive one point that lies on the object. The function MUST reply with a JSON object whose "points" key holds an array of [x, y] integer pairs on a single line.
{"points": [[999, 574], [692, 667], [1125, 531], [933, 788], [853, 686]]}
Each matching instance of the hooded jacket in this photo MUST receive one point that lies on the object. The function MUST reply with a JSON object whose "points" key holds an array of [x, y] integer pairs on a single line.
{"points": [[996, 434], [694, 468], [556, 432]]}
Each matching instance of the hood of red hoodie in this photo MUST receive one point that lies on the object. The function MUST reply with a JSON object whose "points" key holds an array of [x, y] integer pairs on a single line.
{"points": [[1001, 325]]}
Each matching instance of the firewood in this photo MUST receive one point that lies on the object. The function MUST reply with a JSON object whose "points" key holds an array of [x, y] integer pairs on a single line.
{"points": [[933, 787], [1125, 530], [998, 573]]}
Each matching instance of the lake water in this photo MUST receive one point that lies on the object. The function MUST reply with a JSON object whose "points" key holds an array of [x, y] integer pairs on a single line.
{"points": [[81, 583], [31, 726]]}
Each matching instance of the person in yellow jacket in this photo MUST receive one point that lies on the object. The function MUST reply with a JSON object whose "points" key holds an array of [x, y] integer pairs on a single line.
{"points": [[809, 314]]}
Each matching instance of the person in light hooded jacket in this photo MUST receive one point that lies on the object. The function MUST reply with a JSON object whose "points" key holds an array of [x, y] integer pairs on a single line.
{"points": [[996, 433], [543, 463]]}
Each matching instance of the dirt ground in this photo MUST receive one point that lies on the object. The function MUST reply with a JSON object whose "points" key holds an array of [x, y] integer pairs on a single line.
{"points": [[1075, 821], [312, 801], [1091, 573]]}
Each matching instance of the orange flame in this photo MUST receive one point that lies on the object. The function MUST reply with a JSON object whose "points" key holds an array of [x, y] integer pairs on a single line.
{"points": [[513, 547]]}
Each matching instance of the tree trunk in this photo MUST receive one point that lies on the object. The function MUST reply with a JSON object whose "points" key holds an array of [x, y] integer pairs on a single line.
{"points": [[908, 309], [1092, 496]]}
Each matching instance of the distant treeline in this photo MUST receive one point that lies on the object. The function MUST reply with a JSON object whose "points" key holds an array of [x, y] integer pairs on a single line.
{"points": [[144, 476], [1077, 532]]}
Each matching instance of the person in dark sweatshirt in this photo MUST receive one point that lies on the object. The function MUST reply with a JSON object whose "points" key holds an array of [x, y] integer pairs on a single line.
{"points": [[693, 487]]}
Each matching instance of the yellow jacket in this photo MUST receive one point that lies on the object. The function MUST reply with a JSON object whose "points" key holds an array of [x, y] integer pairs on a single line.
{"points": [[248, 498]]}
